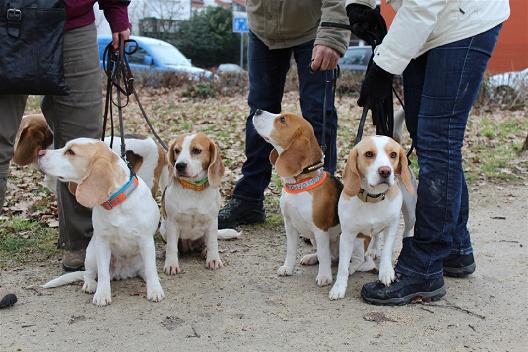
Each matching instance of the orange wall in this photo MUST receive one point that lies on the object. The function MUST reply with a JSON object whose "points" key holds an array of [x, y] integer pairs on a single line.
{"points": [[511, 53]]}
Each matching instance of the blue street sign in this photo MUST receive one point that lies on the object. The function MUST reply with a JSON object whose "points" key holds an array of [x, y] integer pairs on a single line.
{"points": [[240, 24]]}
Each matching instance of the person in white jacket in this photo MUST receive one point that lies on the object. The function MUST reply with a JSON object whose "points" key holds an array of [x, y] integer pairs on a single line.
{"points": [[441, 47]]}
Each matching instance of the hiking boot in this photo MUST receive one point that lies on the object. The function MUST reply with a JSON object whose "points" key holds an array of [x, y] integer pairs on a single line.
{"points": [[459, 265], [73, 260], [241, 212], [404, 290]]}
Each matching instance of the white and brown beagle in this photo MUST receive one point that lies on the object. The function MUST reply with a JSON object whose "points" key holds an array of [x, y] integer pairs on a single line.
{"points": [[125, 217], [377, 181], [309, 195], [145, 156], [191, 201]]}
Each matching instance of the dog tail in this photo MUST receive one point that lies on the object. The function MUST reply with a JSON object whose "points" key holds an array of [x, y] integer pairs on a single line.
{"points": [[228, 234], [65, 279]]}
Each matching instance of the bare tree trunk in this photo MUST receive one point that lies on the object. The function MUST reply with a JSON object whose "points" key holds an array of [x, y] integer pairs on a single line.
{"points": [[525, 145]]}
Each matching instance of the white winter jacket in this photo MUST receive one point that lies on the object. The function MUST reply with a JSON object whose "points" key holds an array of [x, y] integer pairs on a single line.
{"points": [[421, 25]]}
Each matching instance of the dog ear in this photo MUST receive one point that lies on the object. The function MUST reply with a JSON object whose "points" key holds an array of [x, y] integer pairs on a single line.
{"points": [[29, 142], [170, 153], [274, 155], [291, 162], [403, 170], [215, 171], [95, 188], [72, 187], [351, 177]]}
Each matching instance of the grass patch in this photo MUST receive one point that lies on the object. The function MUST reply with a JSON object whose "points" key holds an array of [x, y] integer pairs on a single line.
{"points": [[24, 240]]}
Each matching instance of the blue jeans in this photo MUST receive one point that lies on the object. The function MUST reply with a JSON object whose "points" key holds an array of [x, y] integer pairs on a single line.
{"points": [[440, 88], [267, 76]]}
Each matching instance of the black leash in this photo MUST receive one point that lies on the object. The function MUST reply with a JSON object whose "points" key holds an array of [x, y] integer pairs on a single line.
{"points": [[383, 116], [119, 76]]}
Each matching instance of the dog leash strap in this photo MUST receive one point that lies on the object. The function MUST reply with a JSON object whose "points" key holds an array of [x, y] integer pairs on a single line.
{"points": [[361, 126]]}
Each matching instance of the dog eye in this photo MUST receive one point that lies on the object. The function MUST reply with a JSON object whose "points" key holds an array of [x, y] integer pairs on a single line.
{"points": [[369, 154], [393, 155], [196, 151], [176, 151], [282, 120], [69, 152]]}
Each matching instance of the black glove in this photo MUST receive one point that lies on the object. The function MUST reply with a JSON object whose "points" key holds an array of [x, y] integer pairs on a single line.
{"points": [[366, 23], [376, 87]]}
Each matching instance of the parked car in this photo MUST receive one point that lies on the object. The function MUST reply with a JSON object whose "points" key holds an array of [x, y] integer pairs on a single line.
{"points": [[356, 59], [156, 56], [508, 82]]}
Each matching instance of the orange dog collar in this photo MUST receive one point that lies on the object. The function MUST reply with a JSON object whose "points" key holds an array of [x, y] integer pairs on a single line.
{"points": [[121, 195], [306, 184], [194, 186]]}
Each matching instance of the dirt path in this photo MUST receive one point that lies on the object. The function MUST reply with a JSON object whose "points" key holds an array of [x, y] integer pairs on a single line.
{"points": [[246, 307]]}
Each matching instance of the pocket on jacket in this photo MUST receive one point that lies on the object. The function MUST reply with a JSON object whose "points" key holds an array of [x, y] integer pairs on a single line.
{"points": [[467, 7]]}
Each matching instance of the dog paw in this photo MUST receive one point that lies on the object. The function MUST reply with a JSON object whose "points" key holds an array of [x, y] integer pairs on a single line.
{"points": [[338, 291], [213, 263], [323, 279], [386, 274], [102, 298], [284, 271], [309, 259], [171, 268], [89, 286], [155, 293]]}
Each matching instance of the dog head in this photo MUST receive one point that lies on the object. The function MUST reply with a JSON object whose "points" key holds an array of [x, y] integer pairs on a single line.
{"points": [[33, 135], [194, 156], [90, 164], [293, 139], [372, 165]]}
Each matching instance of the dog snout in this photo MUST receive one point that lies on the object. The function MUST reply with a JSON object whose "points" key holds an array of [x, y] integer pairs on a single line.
{"points": [[41, 152], [181, 166], [384, 171], [258, 112]]}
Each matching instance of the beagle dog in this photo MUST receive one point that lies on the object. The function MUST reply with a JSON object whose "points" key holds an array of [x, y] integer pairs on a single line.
{"points": [[125, 217], [145, 156], [377, 181], [191, 201], [309, 196]]}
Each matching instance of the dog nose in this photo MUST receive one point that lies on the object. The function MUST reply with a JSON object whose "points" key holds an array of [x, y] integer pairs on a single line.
{"points": [[181, 166], [258, 112], [41, 152], [384, 171]]}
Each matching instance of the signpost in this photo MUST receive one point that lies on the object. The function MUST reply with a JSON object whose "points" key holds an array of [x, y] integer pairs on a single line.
{"points": [[240, 25]]}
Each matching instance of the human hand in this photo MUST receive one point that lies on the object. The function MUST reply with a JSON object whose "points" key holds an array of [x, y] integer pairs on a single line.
{"points": [[376, 87], [324, 58], [366, 23], [115, 38]]}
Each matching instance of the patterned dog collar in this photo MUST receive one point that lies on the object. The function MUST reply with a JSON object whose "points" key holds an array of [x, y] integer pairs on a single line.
{"points": [[123, 193], [195, 186], [307, 183], [370, 198]]}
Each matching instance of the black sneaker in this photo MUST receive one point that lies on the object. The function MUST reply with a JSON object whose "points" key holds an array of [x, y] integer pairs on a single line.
{"points": [[459, 265], [240, 212], [404, 290]]}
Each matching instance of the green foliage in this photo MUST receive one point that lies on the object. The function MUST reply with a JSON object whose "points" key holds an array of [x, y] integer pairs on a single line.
{"points": [[207, 38]]}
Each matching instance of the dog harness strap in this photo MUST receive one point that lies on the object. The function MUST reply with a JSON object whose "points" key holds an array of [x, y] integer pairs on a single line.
{"points": [[195, 186], [306, 184], [370, 198], [121, 195]]}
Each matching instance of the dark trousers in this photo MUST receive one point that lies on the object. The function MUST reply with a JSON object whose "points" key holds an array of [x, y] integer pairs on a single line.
{"points": [[72, 116], [440, 89], [267, 76]]}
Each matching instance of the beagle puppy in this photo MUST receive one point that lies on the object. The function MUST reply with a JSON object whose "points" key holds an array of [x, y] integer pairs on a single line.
{"points": [[145, 156], [191, 201], [125, 217], [310, 195], [377, 181]]}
